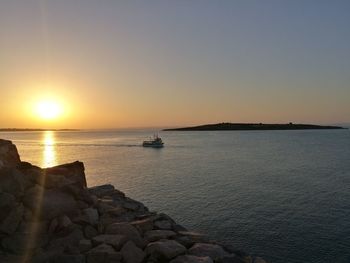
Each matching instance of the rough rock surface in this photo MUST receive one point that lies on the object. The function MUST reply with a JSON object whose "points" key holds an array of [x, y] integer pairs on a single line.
{"points": [[50, 216]]}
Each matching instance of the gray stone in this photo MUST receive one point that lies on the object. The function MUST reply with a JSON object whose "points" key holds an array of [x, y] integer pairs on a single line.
{"points": [[163, 224], [104, 206], [69, 241], [216, 252], [233, 259], [101, 190], [133, 205], [117, 241], [66, 174], [132, 254], [19, 243], [12, 182], [164, 250], [191, 259], [103, 254], [128, 230], [259, 260], [11, 258], [155, 235], [90, 231], [92, 215], [9, 156], [6, 201], [39, 199], [12, 220], [85, 245], [143, 225], [63, 258], [188, 239]]}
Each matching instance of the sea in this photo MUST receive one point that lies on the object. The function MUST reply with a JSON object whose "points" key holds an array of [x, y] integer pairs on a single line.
{"points": [[281, 195]]}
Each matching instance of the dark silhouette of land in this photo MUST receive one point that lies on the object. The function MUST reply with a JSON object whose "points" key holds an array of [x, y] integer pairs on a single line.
{"points": [[26, 129], [226, 126]]}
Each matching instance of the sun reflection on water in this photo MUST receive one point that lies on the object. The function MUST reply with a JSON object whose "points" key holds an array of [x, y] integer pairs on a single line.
{"points": [[49, 153]]}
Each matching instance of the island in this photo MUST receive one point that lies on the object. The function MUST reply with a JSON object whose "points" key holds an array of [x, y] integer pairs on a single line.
{"points": [[227, 126]]}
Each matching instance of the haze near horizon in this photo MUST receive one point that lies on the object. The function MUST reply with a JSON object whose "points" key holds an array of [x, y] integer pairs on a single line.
{"points": [[89, 64]]}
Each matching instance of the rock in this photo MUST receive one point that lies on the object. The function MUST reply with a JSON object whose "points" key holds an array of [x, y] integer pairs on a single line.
{"points": [[188, 239], [103, 254], [69, 241], [104, 206], [128, 230], [92, 215], [143, 225], [133, 205], [46, 256], [10, 223], [131, 253], [164, 250], [85, 245], [11, 258], [59, 223], [155, 235], [163, 224], [6, 202], [115, 211], [19, 243], [259, 260], [27, 214], [82, 205], [117, 241], [9, 156], [233, 259], [66, 174], [211, 250], [68, 259], [101, 190], [39, 199], [12, 182], [90, 231], [191, 259]]}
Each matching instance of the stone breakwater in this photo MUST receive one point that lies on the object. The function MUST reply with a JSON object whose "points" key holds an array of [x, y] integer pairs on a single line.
{"points": [[50, 215]]}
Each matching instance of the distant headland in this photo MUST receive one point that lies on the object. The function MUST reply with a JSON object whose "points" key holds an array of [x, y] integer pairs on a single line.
{"points": [[226, 126], [26, 129]]}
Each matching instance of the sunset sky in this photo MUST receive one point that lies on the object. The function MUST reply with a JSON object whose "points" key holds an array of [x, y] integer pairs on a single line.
{"points": [[117, 64]]}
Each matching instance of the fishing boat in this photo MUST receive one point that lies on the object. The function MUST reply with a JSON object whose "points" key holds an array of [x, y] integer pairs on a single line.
{"points": [[155, 142]]}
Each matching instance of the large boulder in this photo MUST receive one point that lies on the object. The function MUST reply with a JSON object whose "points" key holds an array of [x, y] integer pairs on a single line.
{"points": [[132, 254], [102, 190], [9, 156], [164, 250], [214, 251], [154, 235], [49, 204], [117, 241], [127, 230], [191, 259], [10, 223], [13, 182], [66, 174], [103, 254]]}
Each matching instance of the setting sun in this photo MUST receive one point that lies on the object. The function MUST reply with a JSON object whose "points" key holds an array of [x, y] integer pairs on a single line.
{"points": [[48, 110]]}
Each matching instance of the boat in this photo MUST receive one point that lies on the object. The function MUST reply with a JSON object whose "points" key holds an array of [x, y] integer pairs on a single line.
{"points": [[155, 142]]}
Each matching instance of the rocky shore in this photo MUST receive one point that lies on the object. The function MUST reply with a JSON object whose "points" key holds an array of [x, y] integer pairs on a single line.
{"points": [[50, 215]]}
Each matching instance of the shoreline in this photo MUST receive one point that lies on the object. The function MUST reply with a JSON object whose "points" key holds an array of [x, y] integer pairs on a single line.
{"points": [[50, 215]]}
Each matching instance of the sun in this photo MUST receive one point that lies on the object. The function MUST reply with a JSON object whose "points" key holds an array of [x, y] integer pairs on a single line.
{"points": [[48, 110]]}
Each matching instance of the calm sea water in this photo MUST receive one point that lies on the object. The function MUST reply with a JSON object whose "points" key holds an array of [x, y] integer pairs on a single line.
{"points": [[283, 195]]}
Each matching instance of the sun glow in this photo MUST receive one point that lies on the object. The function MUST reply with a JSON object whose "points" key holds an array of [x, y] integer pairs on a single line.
{"points": [[48, 110]]}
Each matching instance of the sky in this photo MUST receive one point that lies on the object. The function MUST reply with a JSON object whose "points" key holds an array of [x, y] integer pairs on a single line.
{"points": [[119, 64]]}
